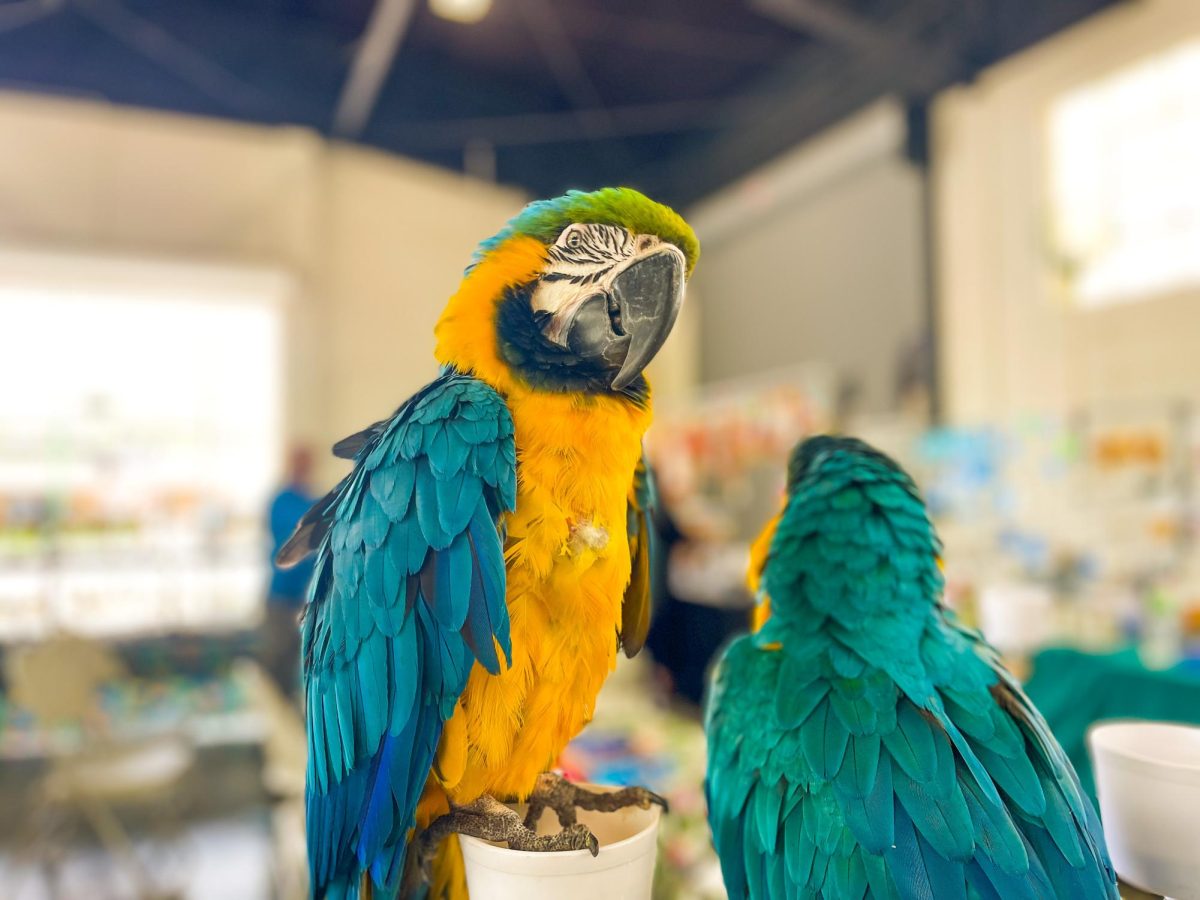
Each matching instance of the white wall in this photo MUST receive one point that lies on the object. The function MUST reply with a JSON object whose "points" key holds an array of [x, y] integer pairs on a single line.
{"points": [[1010, 342], [817, 257], [375, 244]]}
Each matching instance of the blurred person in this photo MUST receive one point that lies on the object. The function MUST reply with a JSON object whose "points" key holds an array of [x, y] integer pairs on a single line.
{"points": [[288, 588], [913, 379]]}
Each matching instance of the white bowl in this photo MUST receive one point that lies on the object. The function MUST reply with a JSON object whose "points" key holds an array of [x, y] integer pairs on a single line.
{"points": [[623, 870], [1148, 782]]}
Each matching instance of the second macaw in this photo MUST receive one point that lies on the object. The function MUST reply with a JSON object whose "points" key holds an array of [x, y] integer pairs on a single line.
{"points": [[479, 568], [861, 742]]}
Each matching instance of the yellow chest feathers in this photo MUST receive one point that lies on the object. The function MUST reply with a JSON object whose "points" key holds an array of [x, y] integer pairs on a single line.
{"points": [[567, 561], [575, 462]]}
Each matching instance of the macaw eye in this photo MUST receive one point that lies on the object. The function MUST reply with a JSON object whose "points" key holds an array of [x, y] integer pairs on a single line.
{"points": [[574, 238]]}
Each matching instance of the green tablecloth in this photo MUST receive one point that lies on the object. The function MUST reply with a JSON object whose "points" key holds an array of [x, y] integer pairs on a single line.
{"points": [[1074, 689]]}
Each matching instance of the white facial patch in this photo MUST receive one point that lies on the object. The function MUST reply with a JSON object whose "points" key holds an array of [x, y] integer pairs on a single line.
{"points": [[583, 262]]}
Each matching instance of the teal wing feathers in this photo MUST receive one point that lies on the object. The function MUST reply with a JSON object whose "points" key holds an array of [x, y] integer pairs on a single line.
{"points": [[826, 779], [407, 594], [985, 714], [862, 743]]}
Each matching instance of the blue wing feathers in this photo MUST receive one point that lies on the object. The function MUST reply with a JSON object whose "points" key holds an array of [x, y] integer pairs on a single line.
{"points": [[409, 595], [405, 675]]}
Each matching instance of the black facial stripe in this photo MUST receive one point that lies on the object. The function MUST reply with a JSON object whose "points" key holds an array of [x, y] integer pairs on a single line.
{"points": [[586, 278], [597, 243], [581, 255]]}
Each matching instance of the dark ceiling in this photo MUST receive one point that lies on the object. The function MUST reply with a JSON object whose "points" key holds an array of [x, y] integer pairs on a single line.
{"points": [[674, 96]]}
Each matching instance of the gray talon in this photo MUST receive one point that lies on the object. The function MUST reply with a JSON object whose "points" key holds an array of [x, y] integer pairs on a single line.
{"points": [[658, 799], [556, 793], [490, 820], [583, 838]]}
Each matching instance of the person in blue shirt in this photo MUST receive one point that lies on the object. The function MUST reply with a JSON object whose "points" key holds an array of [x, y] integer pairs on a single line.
{"points": [[289, 587]]}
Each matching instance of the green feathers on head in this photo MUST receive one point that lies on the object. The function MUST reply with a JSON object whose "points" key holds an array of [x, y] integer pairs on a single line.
{"points": [[630, 209], [854, 539]]}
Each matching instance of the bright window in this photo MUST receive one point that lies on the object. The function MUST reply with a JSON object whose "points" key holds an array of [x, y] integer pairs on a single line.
{"points": [[1125, 180], [139, 437]]}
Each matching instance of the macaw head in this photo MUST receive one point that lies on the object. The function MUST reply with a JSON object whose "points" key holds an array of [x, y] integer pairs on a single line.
{"points": [[836, 462], [854, 538], [575, 294]]}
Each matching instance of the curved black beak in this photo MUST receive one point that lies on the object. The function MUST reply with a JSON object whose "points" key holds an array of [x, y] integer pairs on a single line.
{"points": [[648, 295], [624, 326]]}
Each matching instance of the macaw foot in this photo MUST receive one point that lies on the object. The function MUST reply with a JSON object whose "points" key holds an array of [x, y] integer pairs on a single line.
{"points": [[490, 820], [556, 793]]}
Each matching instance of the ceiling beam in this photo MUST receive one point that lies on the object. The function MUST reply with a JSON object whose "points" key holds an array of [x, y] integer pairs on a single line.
{"points": [[528, 129], [20, 13], [776, 105], [827, 22], [873, 43], [810, 90], [189, 65], [376, 54], [594, 120], [682, 38], [566, 66]]}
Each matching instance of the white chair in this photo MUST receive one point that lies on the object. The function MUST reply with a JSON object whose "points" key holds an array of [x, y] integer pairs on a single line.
{"points": [[57, 681], [285, 750]]}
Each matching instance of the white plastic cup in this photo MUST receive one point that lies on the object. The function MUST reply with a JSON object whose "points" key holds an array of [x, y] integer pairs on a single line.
{"points": [[623, 869], [1148, 782], [1017, 618]]}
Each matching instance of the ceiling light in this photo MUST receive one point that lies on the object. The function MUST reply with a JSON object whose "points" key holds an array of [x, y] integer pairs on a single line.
{"points": [[465, 11]]}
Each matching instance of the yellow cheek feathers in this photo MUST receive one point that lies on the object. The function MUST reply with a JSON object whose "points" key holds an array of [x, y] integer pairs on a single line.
{"points": [[760, 613], [466, 331], [759, 551]]}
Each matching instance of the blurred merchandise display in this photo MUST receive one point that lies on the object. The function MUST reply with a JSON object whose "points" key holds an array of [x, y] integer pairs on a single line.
{"points": [[1078, 528], [1072, 530], [719, 459], [719, 462]]}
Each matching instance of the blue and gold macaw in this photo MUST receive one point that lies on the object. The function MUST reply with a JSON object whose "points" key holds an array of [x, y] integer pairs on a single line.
{"points": [[861, 742], [479, 568]]}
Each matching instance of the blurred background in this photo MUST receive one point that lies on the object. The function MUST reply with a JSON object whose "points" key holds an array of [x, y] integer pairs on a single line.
{"points": [[966, 230]]}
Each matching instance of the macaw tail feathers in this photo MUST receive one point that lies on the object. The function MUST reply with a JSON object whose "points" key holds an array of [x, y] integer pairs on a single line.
{"points": [[449, 881], [449, 872], [340, 889]]}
